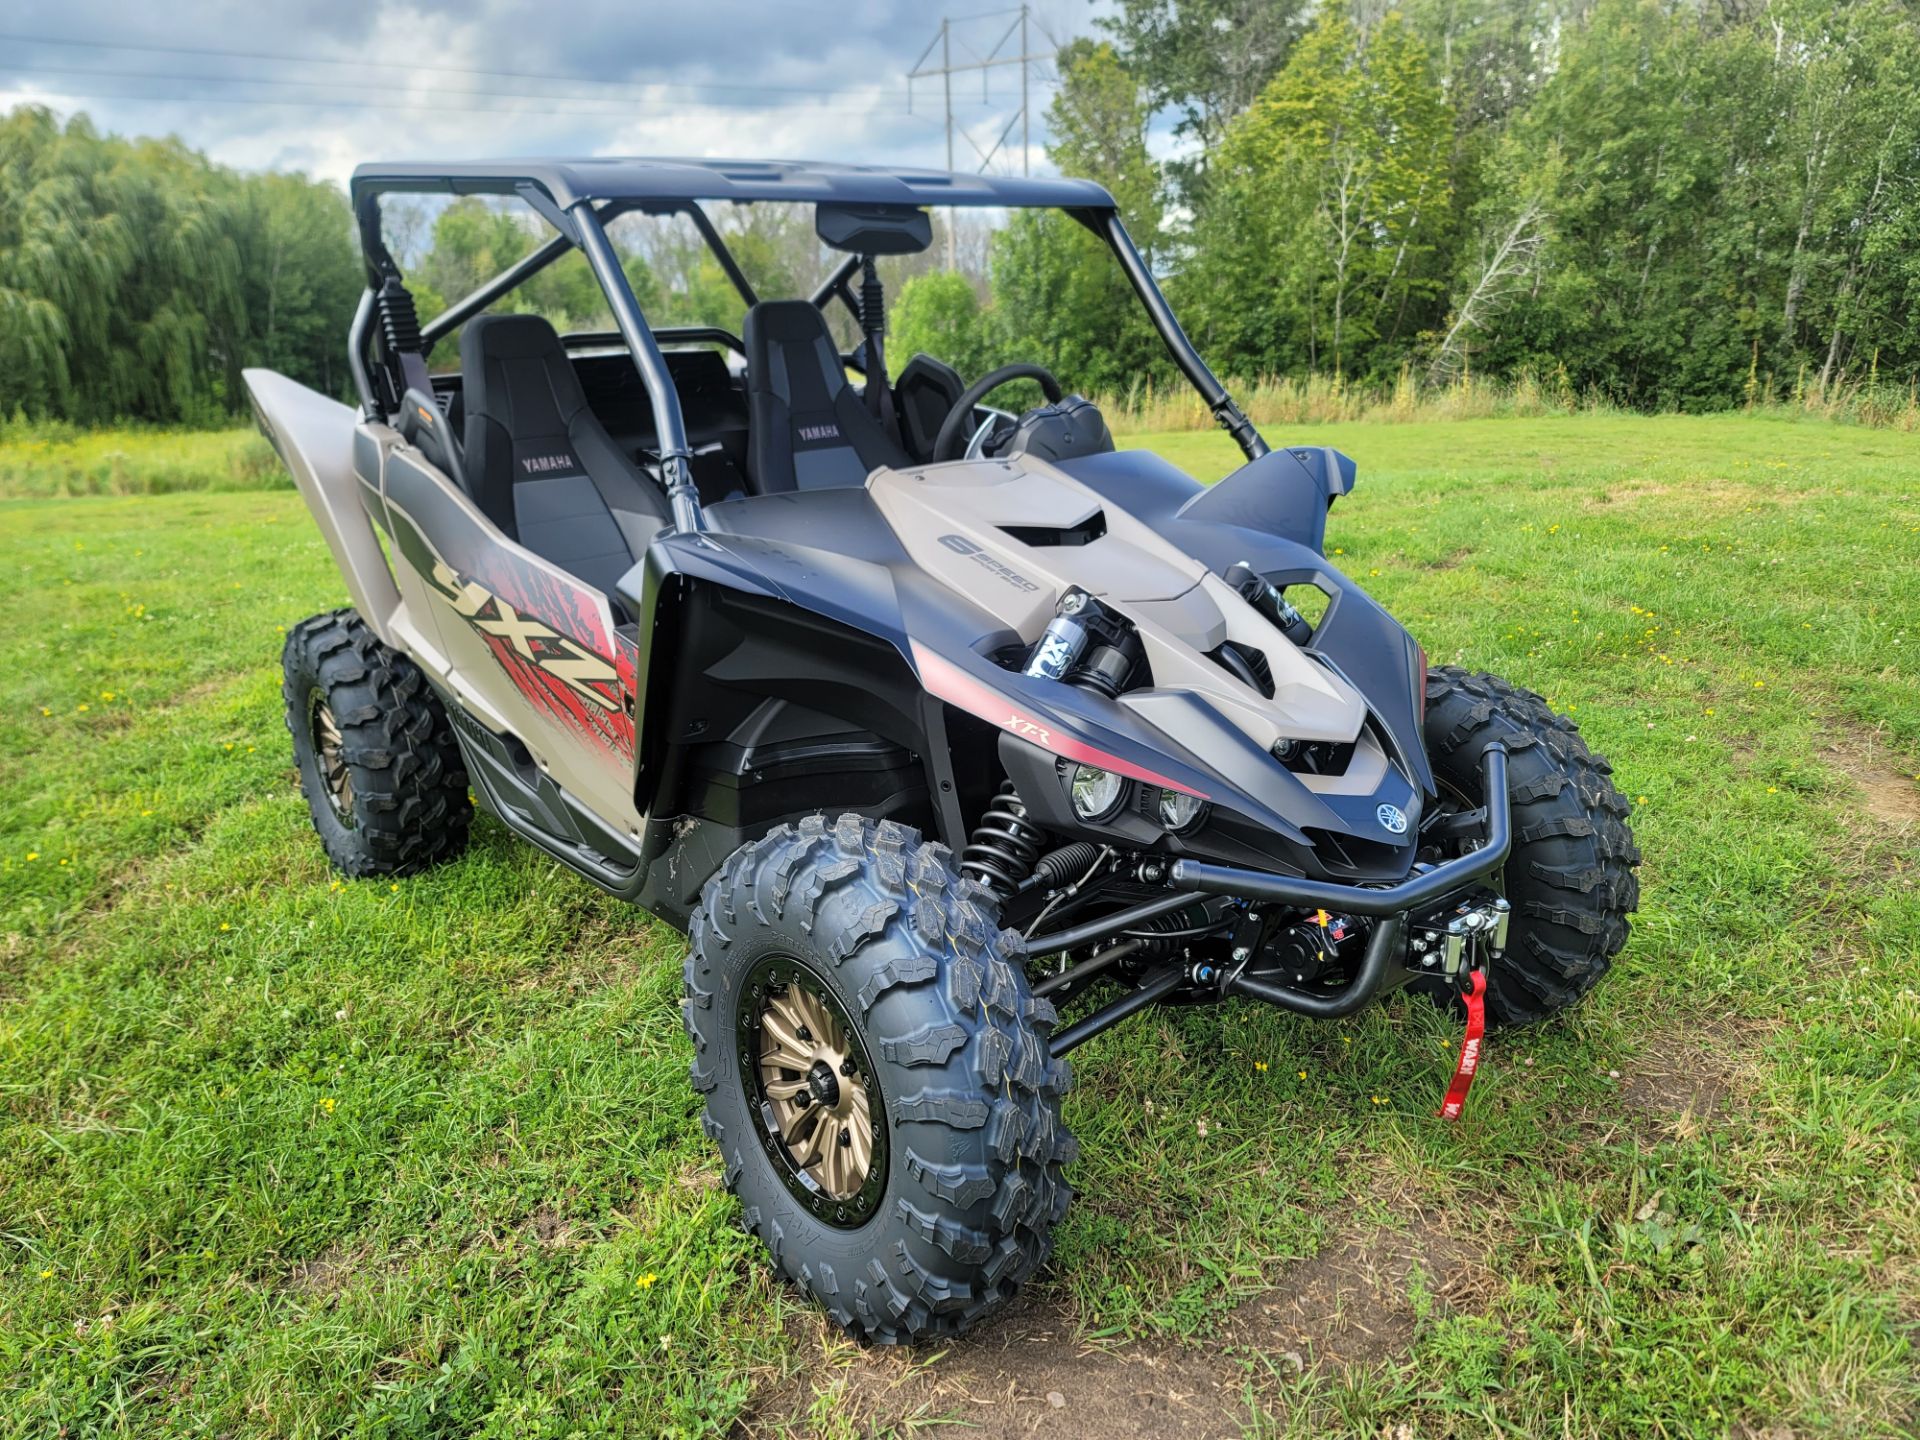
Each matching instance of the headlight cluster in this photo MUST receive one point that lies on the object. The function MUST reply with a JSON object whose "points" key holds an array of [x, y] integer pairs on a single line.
{"points": [[1099, 794], [1096, 793]]}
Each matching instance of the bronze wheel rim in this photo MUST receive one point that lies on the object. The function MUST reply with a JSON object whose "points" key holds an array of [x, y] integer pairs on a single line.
{"points": [[330, 748], [813, 1092]]}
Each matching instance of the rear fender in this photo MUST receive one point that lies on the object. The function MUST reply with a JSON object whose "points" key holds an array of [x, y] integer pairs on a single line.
{"points": [[314, 437]]}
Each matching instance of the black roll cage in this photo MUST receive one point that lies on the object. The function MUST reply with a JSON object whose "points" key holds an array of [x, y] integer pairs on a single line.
{"points": [[581, 225]]}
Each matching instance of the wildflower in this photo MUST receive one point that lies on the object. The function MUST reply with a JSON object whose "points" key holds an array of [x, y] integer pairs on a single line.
{"points": [[1759, 684], [146, 812], [84, 706], [1773, 789], [229, 745], [1379, 1099], [1302, 1074], [45, 711], [1346, 1039], [327, 1103], [225, 926], [46, 1274], [1201, 1126], [646, 1281], [1260, 1065], [106, 694], [1639, 799], [393, 887], [33, 854]]}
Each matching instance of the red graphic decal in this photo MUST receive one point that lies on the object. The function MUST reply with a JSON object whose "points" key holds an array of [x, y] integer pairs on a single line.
{"points": [[961, 690], [552, 638]]}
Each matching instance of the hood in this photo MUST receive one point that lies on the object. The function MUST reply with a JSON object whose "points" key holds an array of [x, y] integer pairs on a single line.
{"points": [[1013, 536]]}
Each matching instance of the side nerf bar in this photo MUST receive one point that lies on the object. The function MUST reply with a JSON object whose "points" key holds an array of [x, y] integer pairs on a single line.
{"points": [[1410, 894]]}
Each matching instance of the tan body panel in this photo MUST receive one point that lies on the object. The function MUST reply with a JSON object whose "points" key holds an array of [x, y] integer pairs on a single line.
{"points": [[313, 435], [951, 520], [454, 651]]}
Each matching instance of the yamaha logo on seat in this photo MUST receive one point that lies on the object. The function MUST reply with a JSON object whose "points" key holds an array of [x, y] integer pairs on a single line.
{"points": [[819, 432], [545, 464]]}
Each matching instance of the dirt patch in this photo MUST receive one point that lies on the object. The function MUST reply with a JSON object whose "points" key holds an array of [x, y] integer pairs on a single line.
{"points": [[1355, 1302], [324, 1275], [1713, 496], [1889, 791], [1029, 1372], [1450, 561], [1890, 797], [1681, 1078], [201, 690]]}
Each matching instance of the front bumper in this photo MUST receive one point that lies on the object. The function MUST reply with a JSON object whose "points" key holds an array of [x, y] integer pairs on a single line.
{"points": [[1392, 904], [1387, 900]]}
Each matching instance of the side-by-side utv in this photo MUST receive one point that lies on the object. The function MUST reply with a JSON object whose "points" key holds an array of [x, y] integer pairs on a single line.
{"points": [[951, 737]]}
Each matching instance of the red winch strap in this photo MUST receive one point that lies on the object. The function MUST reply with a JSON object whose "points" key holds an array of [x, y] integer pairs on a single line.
{"points": [[1463, 1073]]}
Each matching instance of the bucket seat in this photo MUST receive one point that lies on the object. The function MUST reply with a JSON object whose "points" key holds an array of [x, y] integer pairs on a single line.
{"points": [[807, 429], [539, 464]]}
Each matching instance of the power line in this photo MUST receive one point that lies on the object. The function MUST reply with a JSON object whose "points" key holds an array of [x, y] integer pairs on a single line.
{"points": [[415, 69], [992, 60], [385, 108], [585, 105]]}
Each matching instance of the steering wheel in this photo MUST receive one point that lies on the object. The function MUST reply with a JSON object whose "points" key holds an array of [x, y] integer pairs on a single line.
{"points": [[948, 445]]}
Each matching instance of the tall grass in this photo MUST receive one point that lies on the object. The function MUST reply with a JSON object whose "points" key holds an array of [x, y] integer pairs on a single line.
{"points": [[1325, 399], [1865, 400], [53, 459]]}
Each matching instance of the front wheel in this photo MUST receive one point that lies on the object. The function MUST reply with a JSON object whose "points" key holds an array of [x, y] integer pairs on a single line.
{"points": [[1570, 877], [876, 1076]]}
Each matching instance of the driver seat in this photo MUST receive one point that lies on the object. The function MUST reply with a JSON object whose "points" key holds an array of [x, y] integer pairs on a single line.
{"points": [[807, 428]]}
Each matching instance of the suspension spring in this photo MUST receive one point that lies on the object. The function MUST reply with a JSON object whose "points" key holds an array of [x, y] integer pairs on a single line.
{"points": [[1005, 844]]}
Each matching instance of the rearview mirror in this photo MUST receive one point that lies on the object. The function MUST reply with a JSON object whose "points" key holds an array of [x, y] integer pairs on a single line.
{"points": [[873, 229]]}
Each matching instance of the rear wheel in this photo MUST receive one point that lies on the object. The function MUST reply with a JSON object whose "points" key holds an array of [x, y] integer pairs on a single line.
{"points": [[876, 1076], [383, 776], [1570, 877]]}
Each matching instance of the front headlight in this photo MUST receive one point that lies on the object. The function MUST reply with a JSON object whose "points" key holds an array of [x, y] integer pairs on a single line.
{"points": [[1179, 810], [1096, 793]]}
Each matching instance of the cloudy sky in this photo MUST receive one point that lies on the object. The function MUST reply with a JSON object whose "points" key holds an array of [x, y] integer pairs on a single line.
{"points": [[319, 85]]}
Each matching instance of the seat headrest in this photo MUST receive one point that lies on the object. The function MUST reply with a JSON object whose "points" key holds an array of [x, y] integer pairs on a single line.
{"points": [[509, 335], [777, 333]]}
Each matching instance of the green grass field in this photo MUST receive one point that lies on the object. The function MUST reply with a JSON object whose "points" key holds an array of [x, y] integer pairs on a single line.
{"points": [[283, 1155]]}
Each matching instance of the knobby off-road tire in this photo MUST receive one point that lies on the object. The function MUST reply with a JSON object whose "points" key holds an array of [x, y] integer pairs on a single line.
{"points": [[381, 771], [1570, 877], [966, 1184]]}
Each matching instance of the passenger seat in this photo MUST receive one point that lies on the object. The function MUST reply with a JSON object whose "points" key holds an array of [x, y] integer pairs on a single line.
{"points": [[539, 464], [806, 427]]}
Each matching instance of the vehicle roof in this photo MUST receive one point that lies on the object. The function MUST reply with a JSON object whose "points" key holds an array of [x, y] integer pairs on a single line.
{"points": [[807, 182]]}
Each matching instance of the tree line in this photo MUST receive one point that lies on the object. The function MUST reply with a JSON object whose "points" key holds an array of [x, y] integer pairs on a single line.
{"points": [[137, 278], [1669, 203]]}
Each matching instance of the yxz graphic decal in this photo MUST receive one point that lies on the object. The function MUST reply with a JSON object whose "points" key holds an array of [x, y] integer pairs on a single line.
{"points": [[578, 686]]}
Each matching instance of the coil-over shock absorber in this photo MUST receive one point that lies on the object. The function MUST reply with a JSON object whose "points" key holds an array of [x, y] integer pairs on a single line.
{"points": [[1004, 846]]}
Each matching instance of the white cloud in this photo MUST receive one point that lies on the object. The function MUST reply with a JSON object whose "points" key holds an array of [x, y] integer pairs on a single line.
{"points": [[717, 77]]}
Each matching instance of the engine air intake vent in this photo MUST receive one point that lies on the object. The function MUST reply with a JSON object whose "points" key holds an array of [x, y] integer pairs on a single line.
{"points": [[1043, 536]]}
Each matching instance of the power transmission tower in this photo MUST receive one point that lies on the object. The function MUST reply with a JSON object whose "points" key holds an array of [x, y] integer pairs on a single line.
{"points": [[992, 60]]}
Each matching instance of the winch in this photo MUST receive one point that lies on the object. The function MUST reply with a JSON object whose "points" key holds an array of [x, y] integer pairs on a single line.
{"points": [[1463, 938]]}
